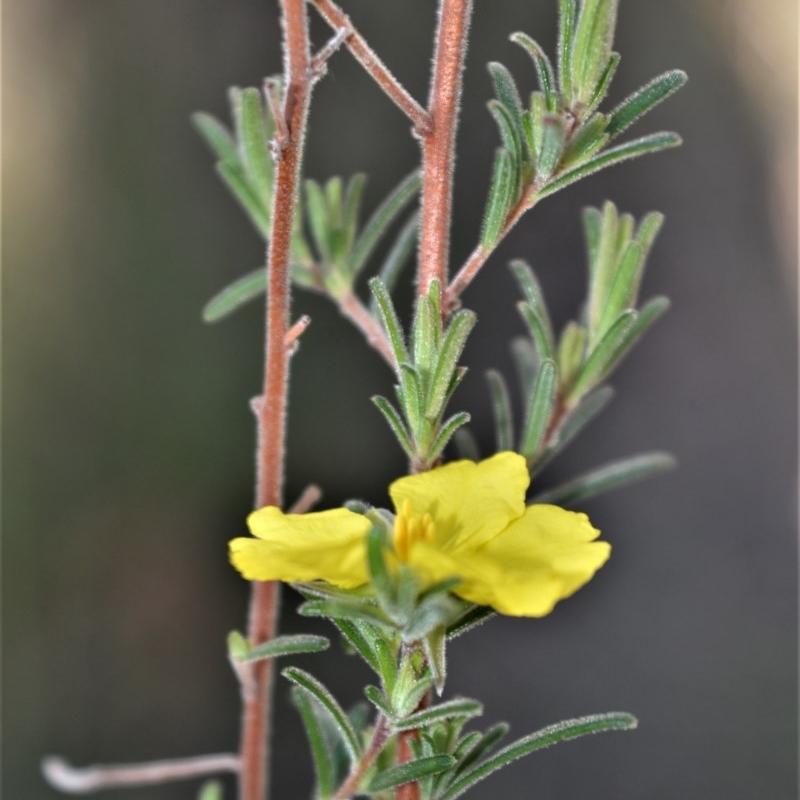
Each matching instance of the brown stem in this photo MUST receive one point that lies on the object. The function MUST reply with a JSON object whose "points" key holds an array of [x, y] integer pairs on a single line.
{"points": [[379, 737], [480, 254], [438, 148], [271, 410], [352, 308], [367, 57], [83, 780]]}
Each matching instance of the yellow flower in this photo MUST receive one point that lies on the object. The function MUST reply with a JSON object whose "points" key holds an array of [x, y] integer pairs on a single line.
{"points": [[467, 520]]}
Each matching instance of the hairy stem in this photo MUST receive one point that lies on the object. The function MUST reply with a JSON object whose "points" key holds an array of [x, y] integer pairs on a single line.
{"points": [[368, 59], [271, 409], [438, 148], [352, 308], [379, 738]]}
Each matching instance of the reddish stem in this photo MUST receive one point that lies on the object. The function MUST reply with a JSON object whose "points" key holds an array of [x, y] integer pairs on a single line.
{"points": [[438, 148], [271, 409]]}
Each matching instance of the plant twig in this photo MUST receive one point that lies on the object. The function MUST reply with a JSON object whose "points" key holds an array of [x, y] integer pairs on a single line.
{"points": [[480, 255], [367, 57], [271, 410], [82, 780], [379, 738], [352, 308], [438, 148]]}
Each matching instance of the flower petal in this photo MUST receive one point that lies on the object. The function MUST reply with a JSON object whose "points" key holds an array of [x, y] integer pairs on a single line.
{"points": [[469, 503], [327, 545], [543, 557]]}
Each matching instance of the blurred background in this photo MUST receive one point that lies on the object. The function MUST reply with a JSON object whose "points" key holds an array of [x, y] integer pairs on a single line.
{"points": [[128, 439]]}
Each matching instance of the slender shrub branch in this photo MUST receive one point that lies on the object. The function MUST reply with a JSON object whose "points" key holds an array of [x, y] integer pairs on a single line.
{"points": [[438, 148], [271, 410], [367, 57]]}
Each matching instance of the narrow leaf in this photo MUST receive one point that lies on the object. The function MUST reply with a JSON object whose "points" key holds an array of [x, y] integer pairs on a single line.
{"points": [[461, 707], [321, 751], [501, 196], [533, 294], [604, 81], [392, 416], [540, 409], [382, 219], [379, 700], [566, 30], [604, 479], [391, 323], [622, 293], [506, 90], [397, 257], [486, 744], [218, 138], [353, 633], [603, 356], [588, 140], [544, 69], [539, 334], [553, 139], [235, 295], [410, 771], [477, 615], [501, 410], [317, 213], [321, 694], [616, 155], [449, 427], [286, 646], [513, 142], [435, 644], [234, 178], [255, 132], [642, 100], [560, 732], [453, 343], [466, 445]]}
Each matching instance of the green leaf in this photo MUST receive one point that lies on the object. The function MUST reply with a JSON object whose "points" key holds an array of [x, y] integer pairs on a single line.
{"points": [[382, 220], [501, 196], [603, 263], [604, 479], [459, 708], [642, 100], [321, 694], [603, 82], [238, 646], [622, 293], [544, 69], [461, 323], [539, 333], [513, 142], [575, 421], [466, 445], [535, 299], [410, 771], [587, 140], [604, 355], [591, 48], [322, 753], [210, 790], [567, 12], [235, 179], [317, 212], [391, 323], [449, 427], [616, 155], [379, 700], [435, 644], [540, 409], [218, 138], [397, 257], [487, 743], [476, 615], [354, 634], [426, 333], [553, 140], [255, 132], [436, 612], [506, 90], [560, 732], [501, 410], [287, 646], [351, 208], [380, 576], [400, 431], [235, 295], [570, 354], [341, 609]]}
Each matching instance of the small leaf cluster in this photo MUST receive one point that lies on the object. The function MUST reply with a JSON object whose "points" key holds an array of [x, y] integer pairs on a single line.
{"points": [[341, 246], [560, 137], [427, 369], [562, 378], [400, 631]]}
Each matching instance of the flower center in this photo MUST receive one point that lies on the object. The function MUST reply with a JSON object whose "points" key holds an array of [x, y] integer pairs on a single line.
{"points": [[409, 529]]}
